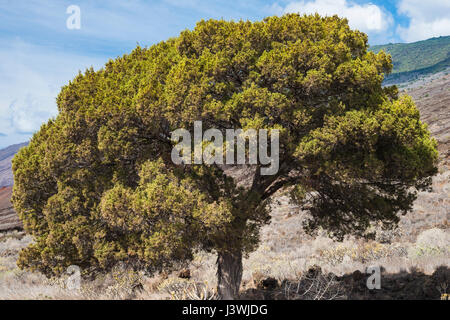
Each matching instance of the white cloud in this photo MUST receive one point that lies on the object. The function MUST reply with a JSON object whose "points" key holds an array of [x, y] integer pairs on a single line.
{"points": [[428, 19], [365, 17], [32, 77]]}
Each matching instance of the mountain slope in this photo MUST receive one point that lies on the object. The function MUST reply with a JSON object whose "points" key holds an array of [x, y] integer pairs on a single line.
{"points": [[6, 155], [433, 100], [8, 217], [412, 60]]}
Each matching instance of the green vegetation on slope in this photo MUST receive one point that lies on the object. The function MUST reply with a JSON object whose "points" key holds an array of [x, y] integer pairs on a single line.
{"points": [[418, 58], [417, 55]]}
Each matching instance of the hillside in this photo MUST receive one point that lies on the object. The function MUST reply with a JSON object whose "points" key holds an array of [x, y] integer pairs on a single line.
{"points": [[8, 218], [412, 60], [6, 155], [433, 99]]}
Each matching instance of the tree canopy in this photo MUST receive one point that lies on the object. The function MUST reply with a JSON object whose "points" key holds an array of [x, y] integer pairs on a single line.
{"points": [[96, 185]]}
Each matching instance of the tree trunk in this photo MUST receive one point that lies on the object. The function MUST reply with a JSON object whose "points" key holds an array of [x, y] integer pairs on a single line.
{"points": [[229, 274]]}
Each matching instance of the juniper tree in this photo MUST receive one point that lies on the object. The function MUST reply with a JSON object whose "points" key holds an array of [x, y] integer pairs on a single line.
{"points": [[97, 186]]}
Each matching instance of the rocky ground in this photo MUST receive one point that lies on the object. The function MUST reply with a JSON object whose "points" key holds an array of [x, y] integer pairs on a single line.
{"points": [[315, 285]]}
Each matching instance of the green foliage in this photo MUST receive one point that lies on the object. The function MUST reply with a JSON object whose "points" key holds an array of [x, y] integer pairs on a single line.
{"points": [[97, 186], [418, 58]]}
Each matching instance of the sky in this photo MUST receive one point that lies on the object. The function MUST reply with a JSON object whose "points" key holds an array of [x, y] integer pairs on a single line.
{"points": [[44, 44]]}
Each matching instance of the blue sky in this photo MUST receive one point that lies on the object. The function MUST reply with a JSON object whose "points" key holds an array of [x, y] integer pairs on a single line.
{"points": [[39, 54]]}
